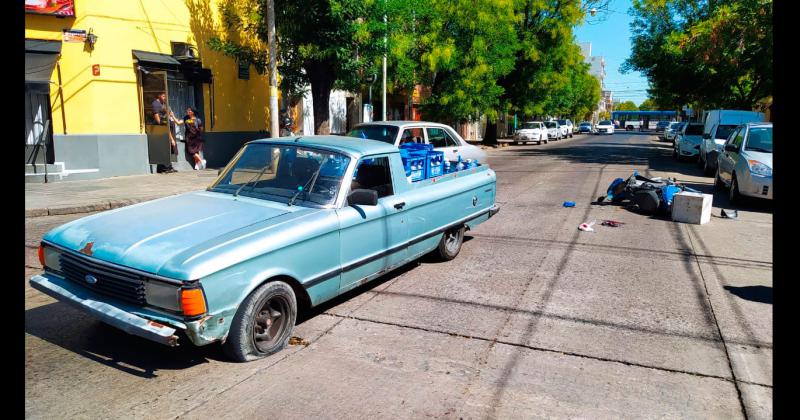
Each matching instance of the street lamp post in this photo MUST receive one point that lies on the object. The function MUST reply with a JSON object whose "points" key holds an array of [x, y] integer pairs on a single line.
{"points": [[384, 66]]}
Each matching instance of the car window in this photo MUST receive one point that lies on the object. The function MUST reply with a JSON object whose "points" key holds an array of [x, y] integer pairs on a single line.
{"points": [[604, 123], [530, 125], [739, 138], [724, 131], [438, 137], [694, 130], [373, 174], [550, 124], [384, 133], [759, 139], [412, 135], [732, 136]]}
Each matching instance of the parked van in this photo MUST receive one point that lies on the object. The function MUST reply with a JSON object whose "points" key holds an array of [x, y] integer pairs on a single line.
{"points": [[719, 124]]}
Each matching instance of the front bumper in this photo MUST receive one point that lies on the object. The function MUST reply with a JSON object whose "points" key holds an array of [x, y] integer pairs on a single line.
{"points": [[688, 149], [494, 210], [754, 185], [88, 302]]}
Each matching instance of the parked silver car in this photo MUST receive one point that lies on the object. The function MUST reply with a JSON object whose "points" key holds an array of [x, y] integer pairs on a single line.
{"points": [[531, 131], [442, 137], [745, 165], [567, 128], [553, 130], [687, 141]]}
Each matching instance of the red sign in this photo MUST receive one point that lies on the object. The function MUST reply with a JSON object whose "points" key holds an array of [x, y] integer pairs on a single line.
{"points": [[95, 69], [51, 7]]}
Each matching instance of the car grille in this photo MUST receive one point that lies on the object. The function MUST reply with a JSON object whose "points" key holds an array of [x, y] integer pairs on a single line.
{"points": [[112, 282], [765, 190]]}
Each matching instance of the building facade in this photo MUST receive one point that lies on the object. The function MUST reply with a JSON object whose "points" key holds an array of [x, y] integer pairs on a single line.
{"points": [[93, 73], [597, 68]]}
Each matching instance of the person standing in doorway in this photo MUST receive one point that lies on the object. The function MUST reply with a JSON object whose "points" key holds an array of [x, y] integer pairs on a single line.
{"points": [[160, 112], [193, 129]]}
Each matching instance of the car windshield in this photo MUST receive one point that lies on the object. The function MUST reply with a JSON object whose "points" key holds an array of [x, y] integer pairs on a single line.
{"points": [[282, 173], [674, 125], [694, 130], [550, 124], [384, 133], [530, 125], [562, 122], [585, 124], [604, 123], [724, 131], [760, 140]]}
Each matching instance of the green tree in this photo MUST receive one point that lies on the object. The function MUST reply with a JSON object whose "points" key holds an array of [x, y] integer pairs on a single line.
{"points": [[326, 44], [626, 106], [711, 54], [648, 105]]}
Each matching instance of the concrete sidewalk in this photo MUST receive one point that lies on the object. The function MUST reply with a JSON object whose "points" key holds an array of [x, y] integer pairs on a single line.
{"points": [[104, 194]]}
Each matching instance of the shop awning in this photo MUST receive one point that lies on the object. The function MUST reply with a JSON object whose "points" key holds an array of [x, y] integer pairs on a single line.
{"points": [[40, 59], [156, 60]]}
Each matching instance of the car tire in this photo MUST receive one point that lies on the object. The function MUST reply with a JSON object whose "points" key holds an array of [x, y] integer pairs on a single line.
{"points": [[450, 244], [718, 184], [699, 160], [270, 303], [675, 154], [545, 141], [706, 167], [538, 142], [734, 197]]}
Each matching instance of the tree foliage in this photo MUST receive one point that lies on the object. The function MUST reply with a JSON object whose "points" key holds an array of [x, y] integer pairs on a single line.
{"points": [[711, 54], [626, 106], [648, 105]]}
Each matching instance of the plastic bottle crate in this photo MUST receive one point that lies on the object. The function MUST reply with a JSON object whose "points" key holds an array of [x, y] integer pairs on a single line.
{"points": [[414, 164], [434, 164], [416, 147]]}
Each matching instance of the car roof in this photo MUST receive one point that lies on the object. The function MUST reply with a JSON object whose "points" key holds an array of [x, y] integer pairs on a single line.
{"points": [[759, 124], [403, 123], [526, 122], [353, 146]]}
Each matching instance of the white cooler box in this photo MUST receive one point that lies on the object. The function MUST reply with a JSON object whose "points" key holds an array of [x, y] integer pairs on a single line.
{"points": [[689, 207]]}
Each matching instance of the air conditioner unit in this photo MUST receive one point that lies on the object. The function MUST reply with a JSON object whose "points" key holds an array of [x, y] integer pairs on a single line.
{"points": [[184, 52]]}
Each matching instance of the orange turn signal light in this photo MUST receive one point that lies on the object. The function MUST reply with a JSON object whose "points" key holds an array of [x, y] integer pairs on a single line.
{"points": [[41, 255], [193, 302]]}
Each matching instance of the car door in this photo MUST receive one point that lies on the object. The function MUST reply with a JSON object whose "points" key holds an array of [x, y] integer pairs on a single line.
{"points": [[372, 238], [727, 160], [444, 142]]}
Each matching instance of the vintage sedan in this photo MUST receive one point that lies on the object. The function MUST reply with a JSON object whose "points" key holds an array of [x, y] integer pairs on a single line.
{"points": [[441, 136], [287, 225]]}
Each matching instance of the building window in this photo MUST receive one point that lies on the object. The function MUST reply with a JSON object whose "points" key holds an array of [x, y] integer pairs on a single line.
{"points": [[244, 70]]}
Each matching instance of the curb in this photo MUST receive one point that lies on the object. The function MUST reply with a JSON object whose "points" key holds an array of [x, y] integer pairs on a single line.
{"points": [[86, 208]]}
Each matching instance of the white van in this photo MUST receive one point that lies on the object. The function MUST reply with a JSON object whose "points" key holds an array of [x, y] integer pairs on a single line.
{"points": [[719, 124]]}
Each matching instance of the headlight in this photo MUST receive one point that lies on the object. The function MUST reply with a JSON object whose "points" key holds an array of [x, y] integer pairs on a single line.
{"points": [[163, 295], [49, 257], [758, 168]]}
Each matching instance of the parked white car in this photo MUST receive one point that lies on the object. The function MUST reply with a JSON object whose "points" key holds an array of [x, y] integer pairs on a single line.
{"points": [[604, 127], [553, 130], [687, 141], [442, 137], [745, 164], [672, 129], [719, 125], [531, 131], [566, 128]]}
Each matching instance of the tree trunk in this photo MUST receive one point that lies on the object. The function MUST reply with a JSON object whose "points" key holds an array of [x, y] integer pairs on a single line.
{"points": [[321, 77], [490, 137]]}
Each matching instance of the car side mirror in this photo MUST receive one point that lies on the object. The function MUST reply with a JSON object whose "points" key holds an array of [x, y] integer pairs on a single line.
{"points": [[731, 148], [362, 197]]}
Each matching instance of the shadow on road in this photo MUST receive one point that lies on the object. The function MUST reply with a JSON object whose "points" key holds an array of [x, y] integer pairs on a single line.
{"points": [[761, 294]]}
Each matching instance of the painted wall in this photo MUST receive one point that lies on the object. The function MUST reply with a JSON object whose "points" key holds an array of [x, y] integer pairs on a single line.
{"points": [[109, 103]]}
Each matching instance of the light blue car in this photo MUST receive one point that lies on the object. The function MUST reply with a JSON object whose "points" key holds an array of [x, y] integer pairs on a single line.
{"points": [[289, 224], [744, 166]]}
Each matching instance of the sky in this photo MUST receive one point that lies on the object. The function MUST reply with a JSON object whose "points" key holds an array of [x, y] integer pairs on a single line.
{"points": [[610, 37]]}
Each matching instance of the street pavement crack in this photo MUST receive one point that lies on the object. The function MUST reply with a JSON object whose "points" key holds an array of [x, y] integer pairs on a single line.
{"points": [[544, 349]]}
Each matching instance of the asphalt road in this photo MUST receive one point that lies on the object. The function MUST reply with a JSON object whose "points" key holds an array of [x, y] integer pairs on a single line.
{"points": [[533, 319]]}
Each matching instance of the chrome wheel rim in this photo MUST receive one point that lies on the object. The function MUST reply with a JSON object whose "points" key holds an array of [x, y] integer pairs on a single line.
{"points": [[270, 322], [451, 240]]}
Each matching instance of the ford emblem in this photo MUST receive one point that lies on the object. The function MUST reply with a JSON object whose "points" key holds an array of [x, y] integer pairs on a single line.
{"points": [[90, 279]]}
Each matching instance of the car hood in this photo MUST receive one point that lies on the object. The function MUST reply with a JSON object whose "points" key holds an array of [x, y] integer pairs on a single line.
{"points": [[528, 130], [694, 139], [149, 235], [765, 158]]}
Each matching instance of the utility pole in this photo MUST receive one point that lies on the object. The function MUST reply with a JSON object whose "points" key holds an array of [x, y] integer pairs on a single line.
{"points": [[386, 25], [275, 128]]}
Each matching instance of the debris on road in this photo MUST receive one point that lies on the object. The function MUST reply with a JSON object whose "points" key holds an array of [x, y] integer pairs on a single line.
{"points": [[569, 204], [297, 341], [730, 214], [586, 227], [612, 223], [692, 207], [645, 195]]}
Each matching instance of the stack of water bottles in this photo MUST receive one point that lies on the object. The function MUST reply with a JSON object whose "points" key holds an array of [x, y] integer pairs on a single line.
{"points": [[422, 162]]}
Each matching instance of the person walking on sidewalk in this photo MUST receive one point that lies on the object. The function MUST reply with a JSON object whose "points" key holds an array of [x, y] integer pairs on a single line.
{"points": [[193, 128], [160, 112]]}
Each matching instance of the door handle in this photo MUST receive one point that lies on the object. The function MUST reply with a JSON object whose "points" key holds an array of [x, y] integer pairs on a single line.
{"points": [[400, 205], [455, 150]]}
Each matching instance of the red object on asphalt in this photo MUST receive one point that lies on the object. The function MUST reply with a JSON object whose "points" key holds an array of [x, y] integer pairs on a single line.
{"points": [[95, 69]]}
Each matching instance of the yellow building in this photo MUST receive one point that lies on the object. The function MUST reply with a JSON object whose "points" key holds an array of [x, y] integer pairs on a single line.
{"points": [[92, 77]]}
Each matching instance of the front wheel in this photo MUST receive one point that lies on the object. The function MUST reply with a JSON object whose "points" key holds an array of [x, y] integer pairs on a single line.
{"points": [[450, 245], [734, 197], [263, 323], [699, 160]]}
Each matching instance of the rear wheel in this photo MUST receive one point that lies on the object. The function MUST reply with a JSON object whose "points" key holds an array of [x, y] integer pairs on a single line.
{"points": [[699, 160], [733, 195], [450, 245], [706, 167], [263, 323], [718, 184]]}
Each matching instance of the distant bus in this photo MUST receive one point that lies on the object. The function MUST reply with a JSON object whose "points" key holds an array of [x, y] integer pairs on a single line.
{"points": [[635, 120]]}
